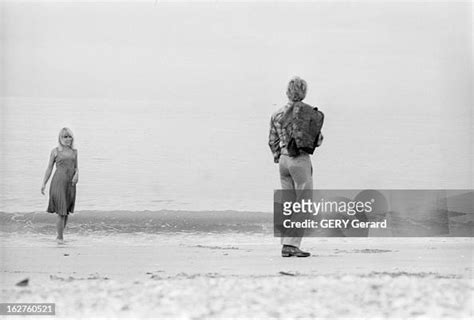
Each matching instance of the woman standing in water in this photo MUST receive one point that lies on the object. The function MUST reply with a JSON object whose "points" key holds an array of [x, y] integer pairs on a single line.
{"points": [[62, 192]]}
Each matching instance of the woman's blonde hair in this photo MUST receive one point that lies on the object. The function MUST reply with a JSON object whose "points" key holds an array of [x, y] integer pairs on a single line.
{"points": [[296, 89], [61, 133]]}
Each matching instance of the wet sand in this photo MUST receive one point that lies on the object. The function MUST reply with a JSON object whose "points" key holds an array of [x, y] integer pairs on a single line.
{"points": [[238, 275]]}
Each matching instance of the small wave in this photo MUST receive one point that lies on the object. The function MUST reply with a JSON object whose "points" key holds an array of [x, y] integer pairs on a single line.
{"points": [[140, 221]]}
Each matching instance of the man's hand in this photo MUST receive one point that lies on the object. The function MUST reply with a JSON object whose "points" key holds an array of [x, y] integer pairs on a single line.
{"points": [[320, 139]]}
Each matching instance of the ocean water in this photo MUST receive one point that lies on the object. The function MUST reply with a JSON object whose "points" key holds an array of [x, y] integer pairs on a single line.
{"points": [[146, 156], [138, 156], [183, 125]]}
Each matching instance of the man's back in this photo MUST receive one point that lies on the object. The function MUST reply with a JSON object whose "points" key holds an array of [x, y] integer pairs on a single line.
{"points": [[306, 124]]}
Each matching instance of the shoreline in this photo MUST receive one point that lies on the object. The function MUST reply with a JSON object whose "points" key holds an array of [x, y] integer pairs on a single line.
{"points": [[169, 221]]}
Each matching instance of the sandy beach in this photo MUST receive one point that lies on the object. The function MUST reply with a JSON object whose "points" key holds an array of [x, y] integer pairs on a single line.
{"points": [[196, 275]]}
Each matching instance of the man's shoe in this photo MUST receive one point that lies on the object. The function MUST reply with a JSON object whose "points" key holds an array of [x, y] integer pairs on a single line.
{"points": [[290, 251]]}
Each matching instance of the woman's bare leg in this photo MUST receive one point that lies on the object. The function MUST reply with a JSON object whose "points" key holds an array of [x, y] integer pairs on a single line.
{"points": [[65, 220], [60, 227]]}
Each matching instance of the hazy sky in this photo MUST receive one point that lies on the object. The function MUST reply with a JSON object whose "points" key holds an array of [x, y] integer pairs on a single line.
{"points": [[153, 51]]}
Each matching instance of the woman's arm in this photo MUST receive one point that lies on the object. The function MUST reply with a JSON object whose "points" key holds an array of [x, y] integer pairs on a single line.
{"points": [[49, 169], [75, 179]]}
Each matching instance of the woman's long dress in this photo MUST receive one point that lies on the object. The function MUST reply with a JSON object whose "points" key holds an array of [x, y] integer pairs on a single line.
{"points": [[62, 193]]}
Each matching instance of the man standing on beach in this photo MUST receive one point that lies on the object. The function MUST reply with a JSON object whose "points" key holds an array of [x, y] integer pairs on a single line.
{"points": [[296, 171]]}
